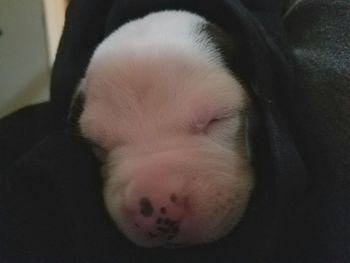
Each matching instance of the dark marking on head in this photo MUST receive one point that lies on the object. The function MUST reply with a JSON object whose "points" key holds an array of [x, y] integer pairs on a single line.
{"points": [[233, 49], [137, 225], [173, 198], [146, 208], [167, 221], [236, 53], [163, 210], [76, 109]]}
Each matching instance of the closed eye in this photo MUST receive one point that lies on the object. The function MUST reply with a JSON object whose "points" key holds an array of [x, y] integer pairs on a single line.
{"points": [[223, 118], [214, 121]]}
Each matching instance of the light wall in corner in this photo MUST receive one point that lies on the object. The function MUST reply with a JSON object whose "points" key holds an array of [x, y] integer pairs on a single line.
{"points": [[54, 20]]}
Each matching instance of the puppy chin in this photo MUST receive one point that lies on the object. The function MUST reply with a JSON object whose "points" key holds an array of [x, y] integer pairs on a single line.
{"points": [[211, 187]]}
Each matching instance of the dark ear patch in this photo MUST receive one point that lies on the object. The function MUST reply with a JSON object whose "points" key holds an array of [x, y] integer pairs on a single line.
{"points": [[237, 57], [76, 109], [232, 48]]}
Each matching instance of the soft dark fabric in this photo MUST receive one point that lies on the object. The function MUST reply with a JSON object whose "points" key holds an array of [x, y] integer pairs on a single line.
{"points": [[51, 207], [319, 34]]}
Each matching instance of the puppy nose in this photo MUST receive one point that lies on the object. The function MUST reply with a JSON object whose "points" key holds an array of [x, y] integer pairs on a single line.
{"points": [[159, 217]]}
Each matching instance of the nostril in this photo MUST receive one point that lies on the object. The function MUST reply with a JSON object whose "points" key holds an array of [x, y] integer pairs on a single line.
{"points": [[146, 208], [159, 216], [163, 210], [173, 198]]}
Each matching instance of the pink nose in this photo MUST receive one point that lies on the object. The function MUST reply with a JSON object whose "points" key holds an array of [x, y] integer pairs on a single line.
{"points": [[159, 217]]}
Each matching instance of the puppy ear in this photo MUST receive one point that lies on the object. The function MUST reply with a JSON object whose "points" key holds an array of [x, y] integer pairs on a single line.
{"points": [[233, 49], [77, 104]]}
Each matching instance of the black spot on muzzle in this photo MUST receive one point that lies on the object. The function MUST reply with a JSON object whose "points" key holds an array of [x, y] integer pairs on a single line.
{"points": [[146, 208]]}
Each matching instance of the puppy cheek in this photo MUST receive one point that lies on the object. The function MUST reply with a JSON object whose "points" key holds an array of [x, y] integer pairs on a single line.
{"points": [[112, 189], [100, 153]]}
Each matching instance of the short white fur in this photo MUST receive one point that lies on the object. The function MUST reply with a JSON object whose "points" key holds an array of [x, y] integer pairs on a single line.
{"points": [[163, 107]]}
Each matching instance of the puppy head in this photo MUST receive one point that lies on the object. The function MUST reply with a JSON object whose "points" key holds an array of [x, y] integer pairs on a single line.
{"points": [[170, 119]]}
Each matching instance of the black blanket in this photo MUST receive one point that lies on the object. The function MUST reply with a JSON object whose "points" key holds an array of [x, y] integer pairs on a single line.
{"points": [[51, 207]]}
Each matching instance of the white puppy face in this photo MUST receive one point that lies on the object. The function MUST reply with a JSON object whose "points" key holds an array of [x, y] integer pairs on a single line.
{"points": [[170, 119]]}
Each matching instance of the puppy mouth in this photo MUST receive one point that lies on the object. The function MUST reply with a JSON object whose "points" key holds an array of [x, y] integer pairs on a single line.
{"points": [[171, 234], [165, 201], [165, 225], [162, 226]]}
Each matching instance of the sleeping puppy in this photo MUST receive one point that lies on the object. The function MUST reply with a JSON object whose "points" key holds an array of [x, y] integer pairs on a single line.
{"points": [[169, 121]]}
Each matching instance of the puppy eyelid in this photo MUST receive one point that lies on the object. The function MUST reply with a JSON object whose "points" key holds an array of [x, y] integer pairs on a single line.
{"points": [[232, 113]]}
